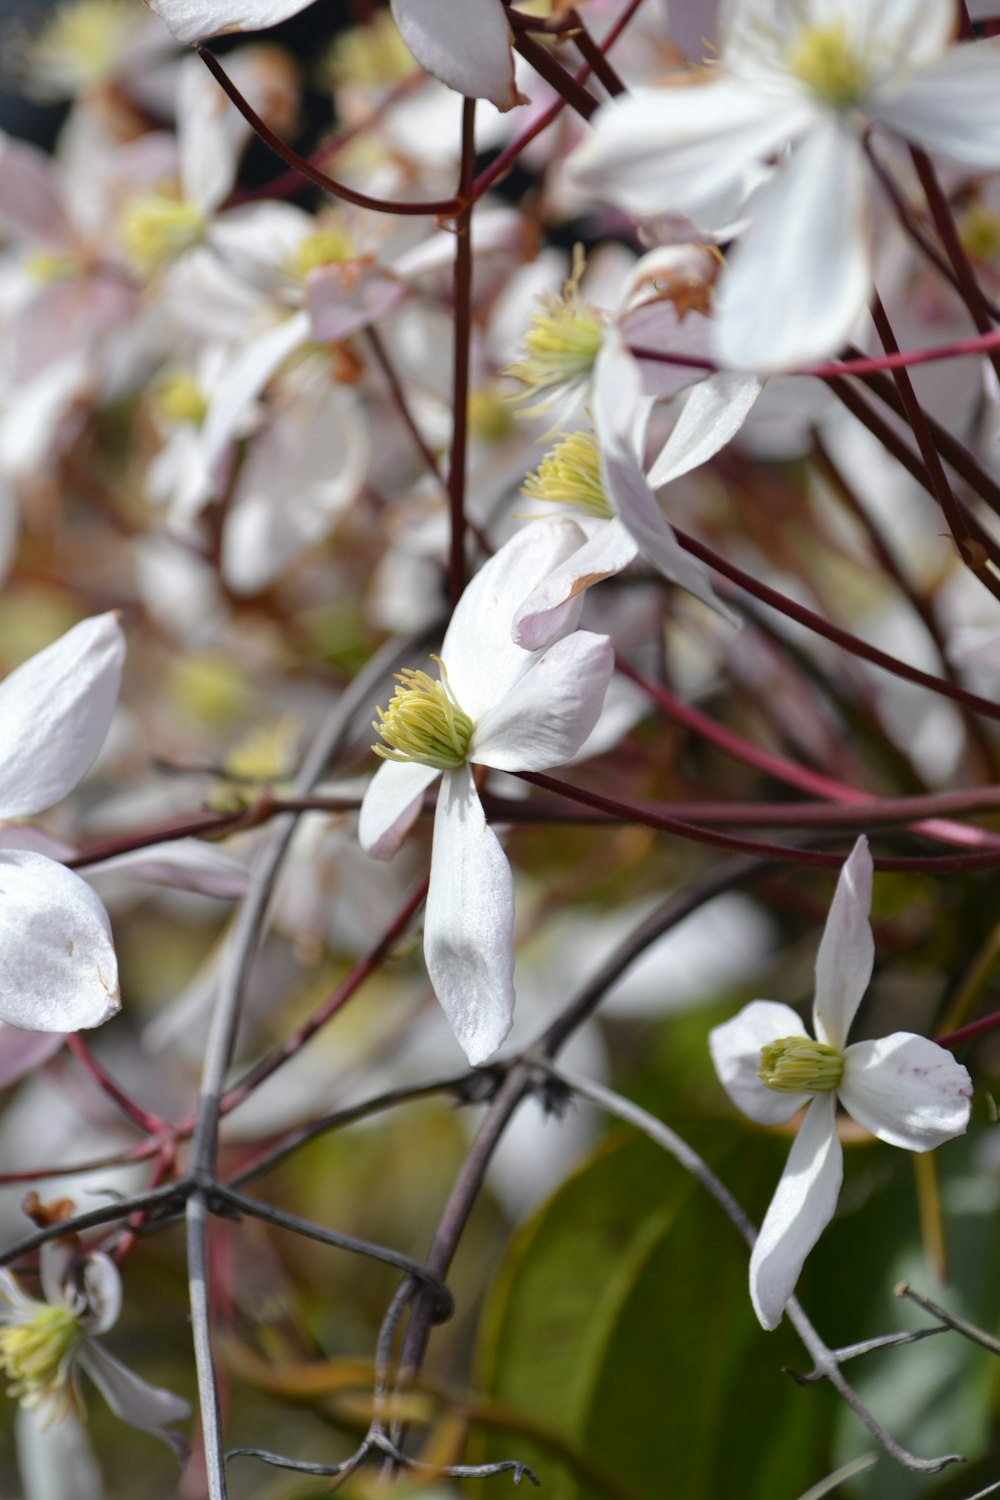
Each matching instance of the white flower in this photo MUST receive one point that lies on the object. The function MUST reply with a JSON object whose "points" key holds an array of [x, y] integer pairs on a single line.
{"points": [[44, 1344], [903, 1088], [494, 705], [57, 963], [467, 46], [815, 74]]}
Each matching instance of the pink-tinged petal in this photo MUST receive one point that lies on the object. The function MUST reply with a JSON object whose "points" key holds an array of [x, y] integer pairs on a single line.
{"points": [[54, 714], [712, 414], [58, 970], [302, 471], [482, 659], [617, 395], [244, 381], [682, 149], [22, 1052], [347, 296], [469, 920], [55, 1267], [391, 805], [548, 714], [190, 20], [656, 325], [951, 106], [803, 1205], [103, 1289], [30, 207], [846, 951], [801, 275], [736, 1048], [467, 46], [187, 865], [146, 1407], [906, 1090], [541, 619]]}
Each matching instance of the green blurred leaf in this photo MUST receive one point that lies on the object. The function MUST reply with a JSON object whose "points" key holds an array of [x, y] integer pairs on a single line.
{"points": [[621, 1322]]}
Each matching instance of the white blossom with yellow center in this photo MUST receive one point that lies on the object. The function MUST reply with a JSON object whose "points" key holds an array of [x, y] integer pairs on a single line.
{"points": [[815, 75], [43, 1345], [905, 1089], [493, 704]]}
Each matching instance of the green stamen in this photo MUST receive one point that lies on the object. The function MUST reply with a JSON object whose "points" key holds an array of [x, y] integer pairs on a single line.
{"points": [[798, 1065]]}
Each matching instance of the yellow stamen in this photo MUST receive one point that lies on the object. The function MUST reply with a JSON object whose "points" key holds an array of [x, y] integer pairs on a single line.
{"points": [[36, 1355], [799, 1065], [372, 56], [181, 399], [50, 265], [424, 722], [830, 65], [79, 47], [156, 229], [979, 231], [490, 418], [564, 338], [327, 247], [570, 474]]}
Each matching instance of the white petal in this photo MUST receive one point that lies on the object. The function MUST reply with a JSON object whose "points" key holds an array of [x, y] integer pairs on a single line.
{"points": [[103, 1287], [802, 274], [211, 133], [846, 950], [30, 207], [467, 46], [187, 864], [469, 922], [802, 1206], [191, 19], [617, 392], [24, 1051], [146, 1407], [541, 618], [550, 711], [343, 298], [244, 381], [301, 473], [906, 1090], [58, 970], [391, 805], [54, 1458], [712, 414], [952, 105], [54, 713], [736, 1047], [483, 661], [680, 149]]}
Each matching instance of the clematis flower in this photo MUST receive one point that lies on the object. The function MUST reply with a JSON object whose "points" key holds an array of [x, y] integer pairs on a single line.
{"points": [[467, 46], [815, 75], [58, 970], [903, 1088], [496, 705], [44, 1344]]}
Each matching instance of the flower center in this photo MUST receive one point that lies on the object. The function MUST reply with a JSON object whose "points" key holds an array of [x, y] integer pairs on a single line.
{"points": [[373, 56], [79, 48], [424, 722], [829, 64], [979, 231], [327, 247], [36, 1355], [798, 1065], [563, 340], [570, 474], [156, 229], [181, 399]]}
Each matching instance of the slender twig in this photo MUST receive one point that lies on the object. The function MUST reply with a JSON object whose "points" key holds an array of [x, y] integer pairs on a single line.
{"points": [[461, 354], [951, 1320]]}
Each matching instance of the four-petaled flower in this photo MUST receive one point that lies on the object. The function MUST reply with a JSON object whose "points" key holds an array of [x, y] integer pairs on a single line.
{"points": [[43, 1344], [815, 75], [904, 1088], [495, 705]]}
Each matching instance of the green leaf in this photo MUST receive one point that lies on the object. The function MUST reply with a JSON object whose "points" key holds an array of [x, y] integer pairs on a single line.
{"points": [[621, 1323]]}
